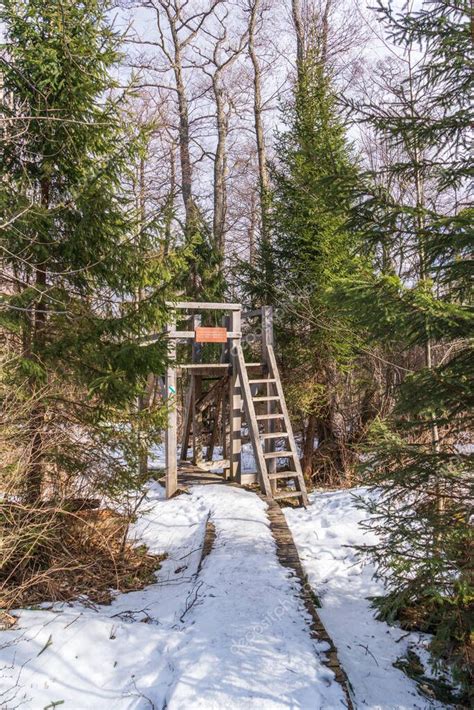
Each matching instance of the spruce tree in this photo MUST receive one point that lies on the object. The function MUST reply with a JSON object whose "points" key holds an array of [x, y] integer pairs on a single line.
{"points": [[311, 181], [419, 466], [76, 251], [203, 275]]}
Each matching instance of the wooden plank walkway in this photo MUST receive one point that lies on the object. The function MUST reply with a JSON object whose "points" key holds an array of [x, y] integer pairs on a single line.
{"points": [[189, 475], [288, 557]]}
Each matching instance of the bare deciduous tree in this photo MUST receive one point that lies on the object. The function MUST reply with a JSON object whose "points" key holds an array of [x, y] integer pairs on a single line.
{"points": [[255, 8]]}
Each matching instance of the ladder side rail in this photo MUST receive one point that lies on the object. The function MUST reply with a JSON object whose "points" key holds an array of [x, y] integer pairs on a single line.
{"points": [[289, 429], [252, 422], [269, 426]]}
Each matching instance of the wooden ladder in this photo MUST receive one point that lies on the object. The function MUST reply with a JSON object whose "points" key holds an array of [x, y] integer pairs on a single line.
{"points": [[265, 455]]}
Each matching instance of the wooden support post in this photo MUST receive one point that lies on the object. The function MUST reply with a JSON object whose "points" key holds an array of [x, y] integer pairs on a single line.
{"points": [[267, 331], [187, 419], [172, 430], [225, 358], [197, 389], [235, 402], [214, 435], [269, 426], [198, 439], [196, 357], [197, 421], [196, 347]]}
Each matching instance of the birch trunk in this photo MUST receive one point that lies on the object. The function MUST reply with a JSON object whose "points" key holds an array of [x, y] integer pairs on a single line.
{"points": [[258, 119], [220, 169]]}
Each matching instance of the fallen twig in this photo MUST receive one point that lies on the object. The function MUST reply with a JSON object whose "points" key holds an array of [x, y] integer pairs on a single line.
{"points": [[190, 602], [367, 650], [48, 643]]}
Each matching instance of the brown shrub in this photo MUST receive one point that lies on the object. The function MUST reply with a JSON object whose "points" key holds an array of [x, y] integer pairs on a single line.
{"points": [[50, 553]]}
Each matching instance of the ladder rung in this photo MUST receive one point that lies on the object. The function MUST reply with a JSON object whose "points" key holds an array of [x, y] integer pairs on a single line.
{"points": [[278, 455], [253, 364], [274, 435], [266, 399], [282, 474], [276, 415], [288, 494], [261, 382]]}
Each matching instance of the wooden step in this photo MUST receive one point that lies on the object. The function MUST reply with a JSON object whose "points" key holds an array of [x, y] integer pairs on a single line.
{"points": [[261, 382], [273, 398], [278, 455], [276, 415], [287, 494], [253, 364], [274, 435], [281, 474]]}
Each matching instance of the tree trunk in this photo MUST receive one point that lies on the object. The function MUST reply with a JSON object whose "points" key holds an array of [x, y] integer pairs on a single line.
{"points": [[325, 32], [299, 30], [308, 447], [220, 168], [169, 205], [258, 121], [176, 60], [35, 466], [184, 150], [145, 402], [251, 229]]}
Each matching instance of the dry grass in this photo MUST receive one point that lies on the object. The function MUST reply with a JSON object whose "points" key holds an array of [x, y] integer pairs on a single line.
{"points": [[51, 554]]}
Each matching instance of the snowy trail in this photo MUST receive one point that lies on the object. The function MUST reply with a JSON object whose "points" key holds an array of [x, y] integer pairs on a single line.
{"points": [[367, 648], [244, 643], [257, 650]]}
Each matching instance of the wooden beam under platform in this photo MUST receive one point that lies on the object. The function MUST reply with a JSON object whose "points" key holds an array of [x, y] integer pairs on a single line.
{"points": [[197, 306], [213, 370], [189, 473]]}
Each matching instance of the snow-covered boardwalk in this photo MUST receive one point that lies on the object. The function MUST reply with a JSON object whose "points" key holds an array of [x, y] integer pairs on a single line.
{"points": [[233, 635]]}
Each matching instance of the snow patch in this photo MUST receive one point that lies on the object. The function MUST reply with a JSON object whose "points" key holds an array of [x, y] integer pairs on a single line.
{"points": [[324, 534]]}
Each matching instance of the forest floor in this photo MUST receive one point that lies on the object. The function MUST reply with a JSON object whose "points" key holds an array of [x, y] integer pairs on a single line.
{"points": [[226, 632]]}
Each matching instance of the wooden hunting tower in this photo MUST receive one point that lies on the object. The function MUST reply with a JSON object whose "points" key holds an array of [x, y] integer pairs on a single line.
{"points": [[229, 399]]}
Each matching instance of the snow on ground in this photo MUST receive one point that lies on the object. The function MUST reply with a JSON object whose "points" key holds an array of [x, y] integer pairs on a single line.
{"points": [[367, 648], [235, 635]]}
